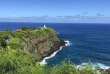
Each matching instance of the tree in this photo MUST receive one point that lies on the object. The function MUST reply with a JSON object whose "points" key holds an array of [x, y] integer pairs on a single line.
{"points": [[3, 43]]}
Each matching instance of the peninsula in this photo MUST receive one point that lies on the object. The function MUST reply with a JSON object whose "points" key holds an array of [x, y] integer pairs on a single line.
{"points": [[39, 41]]}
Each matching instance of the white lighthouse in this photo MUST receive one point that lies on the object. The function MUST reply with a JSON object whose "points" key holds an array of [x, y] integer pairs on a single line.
{"points": [[44, 26]]}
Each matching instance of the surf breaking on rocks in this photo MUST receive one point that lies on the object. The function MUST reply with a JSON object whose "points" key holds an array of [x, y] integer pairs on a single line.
{"points": [[43, 62]]}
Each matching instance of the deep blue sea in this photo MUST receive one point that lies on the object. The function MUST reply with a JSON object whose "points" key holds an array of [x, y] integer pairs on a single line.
{"points": [[87, 41]]}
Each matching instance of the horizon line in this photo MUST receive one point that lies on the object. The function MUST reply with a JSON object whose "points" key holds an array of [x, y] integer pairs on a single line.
{"points": [[58, 22]]}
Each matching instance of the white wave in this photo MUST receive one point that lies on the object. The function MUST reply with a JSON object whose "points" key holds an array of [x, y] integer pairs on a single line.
{"points": [[68, 43], [43, 62], [103, 66], [58, 33], [100, 65]]}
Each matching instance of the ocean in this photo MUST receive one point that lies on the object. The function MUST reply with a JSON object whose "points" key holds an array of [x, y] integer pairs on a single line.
{"points": [[86, 41]]}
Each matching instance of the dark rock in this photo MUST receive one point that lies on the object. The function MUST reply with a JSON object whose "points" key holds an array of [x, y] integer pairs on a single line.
{"points": [[54, 48], [108, 71]]}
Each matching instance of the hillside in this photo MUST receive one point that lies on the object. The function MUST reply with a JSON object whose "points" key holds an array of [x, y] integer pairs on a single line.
{"points": [[40, 42]]}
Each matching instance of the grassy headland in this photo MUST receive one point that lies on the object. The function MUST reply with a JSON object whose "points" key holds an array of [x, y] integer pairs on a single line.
{"points": [[38, 41]]}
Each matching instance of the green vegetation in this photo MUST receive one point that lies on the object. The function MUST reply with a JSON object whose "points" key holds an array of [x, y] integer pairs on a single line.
{"points": [[12, 60], [21, 62], [29, 28], [3, 43], [14, 43], [35, 40], [21, 50]]}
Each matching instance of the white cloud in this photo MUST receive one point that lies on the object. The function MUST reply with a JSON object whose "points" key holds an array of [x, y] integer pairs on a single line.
{"points": [[70, 19]]}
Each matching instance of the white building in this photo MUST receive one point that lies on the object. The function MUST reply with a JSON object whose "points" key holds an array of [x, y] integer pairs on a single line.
{"points": [[44, 26]]}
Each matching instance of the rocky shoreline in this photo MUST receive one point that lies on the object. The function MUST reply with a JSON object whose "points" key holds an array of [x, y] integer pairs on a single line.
{"points": [[54, 48], [107, 71]]}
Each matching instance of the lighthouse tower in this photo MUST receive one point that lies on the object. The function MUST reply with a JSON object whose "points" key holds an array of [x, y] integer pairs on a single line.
{"points": [[44, 26]]}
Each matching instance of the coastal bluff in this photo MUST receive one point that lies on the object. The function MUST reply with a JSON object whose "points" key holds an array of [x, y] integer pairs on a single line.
{"points": [[40, 42]]}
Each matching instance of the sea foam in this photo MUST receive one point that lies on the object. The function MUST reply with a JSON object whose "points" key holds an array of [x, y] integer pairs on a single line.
{"points": [[100, 65], [43, 62], [58, 33]]}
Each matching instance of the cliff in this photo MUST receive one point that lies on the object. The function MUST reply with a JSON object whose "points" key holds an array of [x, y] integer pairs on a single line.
{"points": [[40, 42]]}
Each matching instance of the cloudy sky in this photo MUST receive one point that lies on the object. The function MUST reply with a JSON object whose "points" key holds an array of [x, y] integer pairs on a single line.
{"points": [[55, 11]]}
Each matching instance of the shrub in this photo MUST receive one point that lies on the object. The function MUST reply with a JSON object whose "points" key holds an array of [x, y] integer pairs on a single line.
{"points": [[3, 43], [11, 60]]}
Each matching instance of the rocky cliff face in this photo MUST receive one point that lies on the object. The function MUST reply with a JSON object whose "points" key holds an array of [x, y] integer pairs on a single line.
{"points": [[56, 46]]}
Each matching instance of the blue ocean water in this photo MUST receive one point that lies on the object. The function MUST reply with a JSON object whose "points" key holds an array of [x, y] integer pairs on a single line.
{"points": [[87, 41]]}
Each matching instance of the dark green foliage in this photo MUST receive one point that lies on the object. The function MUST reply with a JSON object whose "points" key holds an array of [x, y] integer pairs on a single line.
{"points": [[24, 28], [3, 43], [38, 28]]}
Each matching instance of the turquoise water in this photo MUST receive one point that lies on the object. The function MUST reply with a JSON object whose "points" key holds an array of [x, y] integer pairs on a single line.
{"points": [[87, 41]]}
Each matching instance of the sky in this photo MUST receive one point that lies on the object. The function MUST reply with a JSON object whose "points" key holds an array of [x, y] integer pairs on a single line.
{"points": [[55, 11]]}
